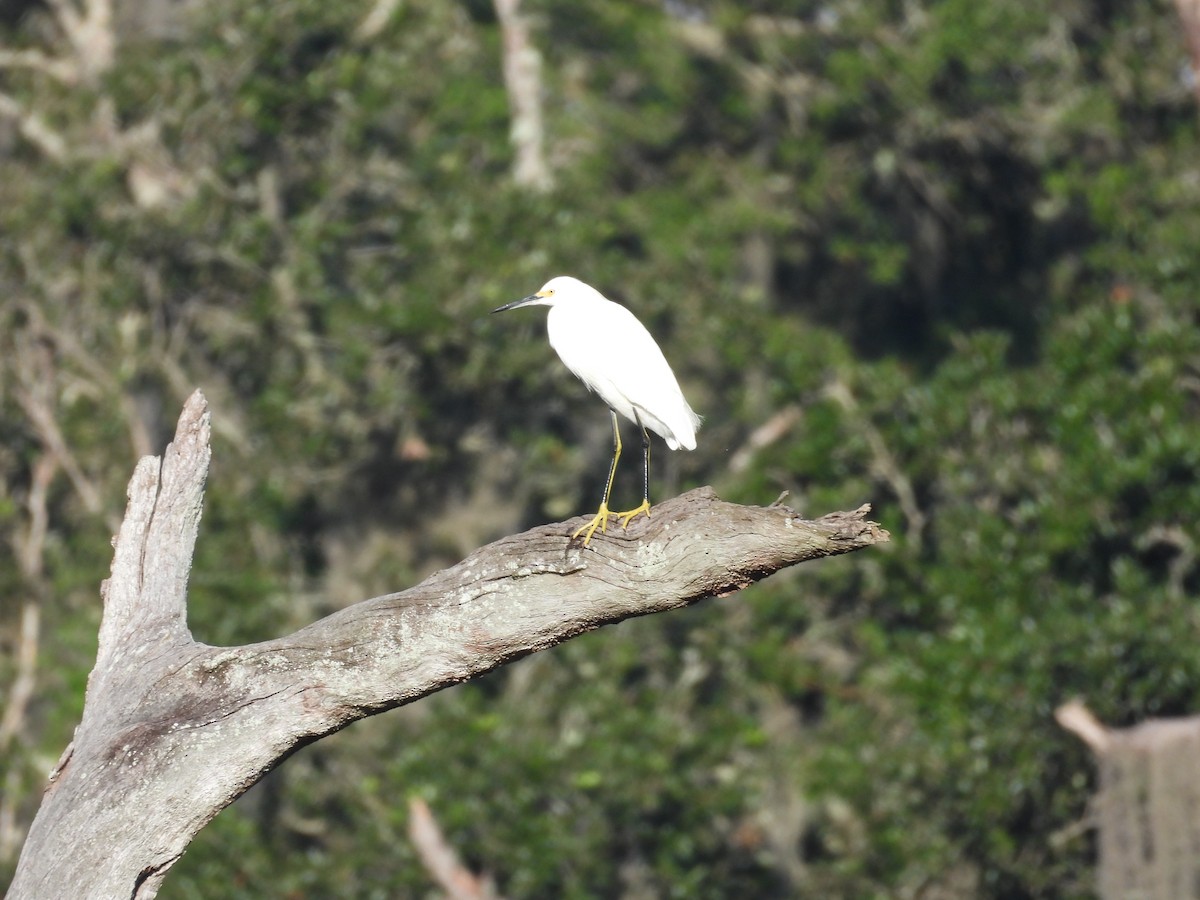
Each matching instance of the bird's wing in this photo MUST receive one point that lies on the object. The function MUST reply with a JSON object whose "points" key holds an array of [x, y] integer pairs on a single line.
{"points": [[611, 352]]}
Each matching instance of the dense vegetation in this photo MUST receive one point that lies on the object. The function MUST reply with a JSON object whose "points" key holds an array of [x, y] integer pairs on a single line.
{"points": [[942, 252]]}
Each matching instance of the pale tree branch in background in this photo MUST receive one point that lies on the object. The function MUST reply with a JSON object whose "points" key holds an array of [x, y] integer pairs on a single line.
{"points": [[36, 396], [173, 731], [91, 37], [1189, 17], [74, 355], [523, 80], [90, 52], [1147, 808], [440, 859], [62, 70], [766, 434], [92, 42], [376, 20], [90, 34], [46, 425], [1079, 720], [34, 129], [30, 556], [884, 462]]}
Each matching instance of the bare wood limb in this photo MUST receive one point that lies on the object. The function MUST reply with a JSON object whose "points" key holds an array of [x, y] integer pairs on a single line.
{"points": [[10, 831], [21, 690], [523, 80], [36, 395], [1189, 17], [41, 416], [766, 434], [376, 20], [34, 129], [175, 730], [61, 70], [17, 778], [92, 39], [73, 353], [146, 598], [1146, 807], [30, 560], [885, 464], [440, 860], [1079, 720], [90, 33]]}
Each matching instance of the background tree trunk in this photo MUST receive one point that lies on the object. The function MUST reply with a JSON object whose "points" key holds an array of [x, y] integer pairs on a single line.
{"points": [[174, 730], [1148, 807]]}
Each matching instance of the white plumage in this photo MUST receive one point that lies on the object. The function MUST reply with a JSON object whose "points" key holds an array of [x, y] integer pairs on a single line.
{"points": [[611, 352]]}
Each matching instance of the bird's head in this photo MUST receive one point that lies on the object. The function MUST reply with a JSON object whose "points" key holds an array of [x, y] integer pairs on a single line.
{"points": [[561, 288]]}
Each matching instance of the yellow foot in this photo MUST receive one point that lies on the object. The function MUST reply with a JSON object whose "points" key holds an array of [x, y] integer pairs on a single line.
{"points": [[627, 517], [599, 521]]}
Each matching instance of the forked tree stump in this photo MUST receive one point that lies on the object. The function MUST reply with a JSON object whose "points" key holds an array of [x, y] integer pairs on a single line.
{"points": [[174, 730], [1148, 808]]}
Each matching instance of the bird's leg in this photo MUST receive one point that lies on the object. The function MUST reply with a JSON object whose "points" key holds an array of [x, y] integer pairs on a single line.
{"points": [[627, 517], [601, 518]]}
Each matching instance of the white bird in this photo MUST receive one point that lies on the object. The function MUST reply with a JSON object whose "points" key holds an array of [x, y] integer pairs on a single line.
{"points": [[611, 352]]}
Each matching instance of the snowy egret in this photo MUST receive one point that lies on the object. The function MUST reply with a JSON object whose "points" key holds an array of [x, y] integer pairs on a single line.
{"points": [[611, 352]]}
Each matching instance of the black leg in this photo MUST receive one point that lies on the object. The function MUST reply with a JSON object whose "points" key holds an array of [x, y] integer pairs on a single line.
{"points": [[626, 517], [645, 464]]}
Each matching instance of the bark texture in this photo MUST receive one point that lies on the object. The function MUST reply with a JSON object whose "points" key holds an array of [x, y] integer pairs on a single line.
{"points": [[1147, 810], [174, 730]]}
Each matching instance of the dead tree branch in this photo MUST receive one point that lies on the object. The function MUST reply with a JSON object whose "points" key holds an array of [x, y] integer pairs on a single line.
{"points": [[1147, 806], [61, 70], [440, 860], [90, 33], [1189, 18], [34, 129], [523, 81], [376, 20], [88, 30], [884, 463], [174, 730]]}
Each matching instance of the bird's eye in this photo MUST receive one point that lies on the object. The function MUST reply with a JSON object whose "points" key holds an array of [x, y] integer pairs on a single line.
{"points": [[550, 293]]}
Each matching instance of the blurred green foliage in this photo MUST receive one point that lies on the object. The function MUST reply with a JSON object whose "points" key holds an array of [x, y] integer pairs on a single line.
{"points": [[956, 240]]}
